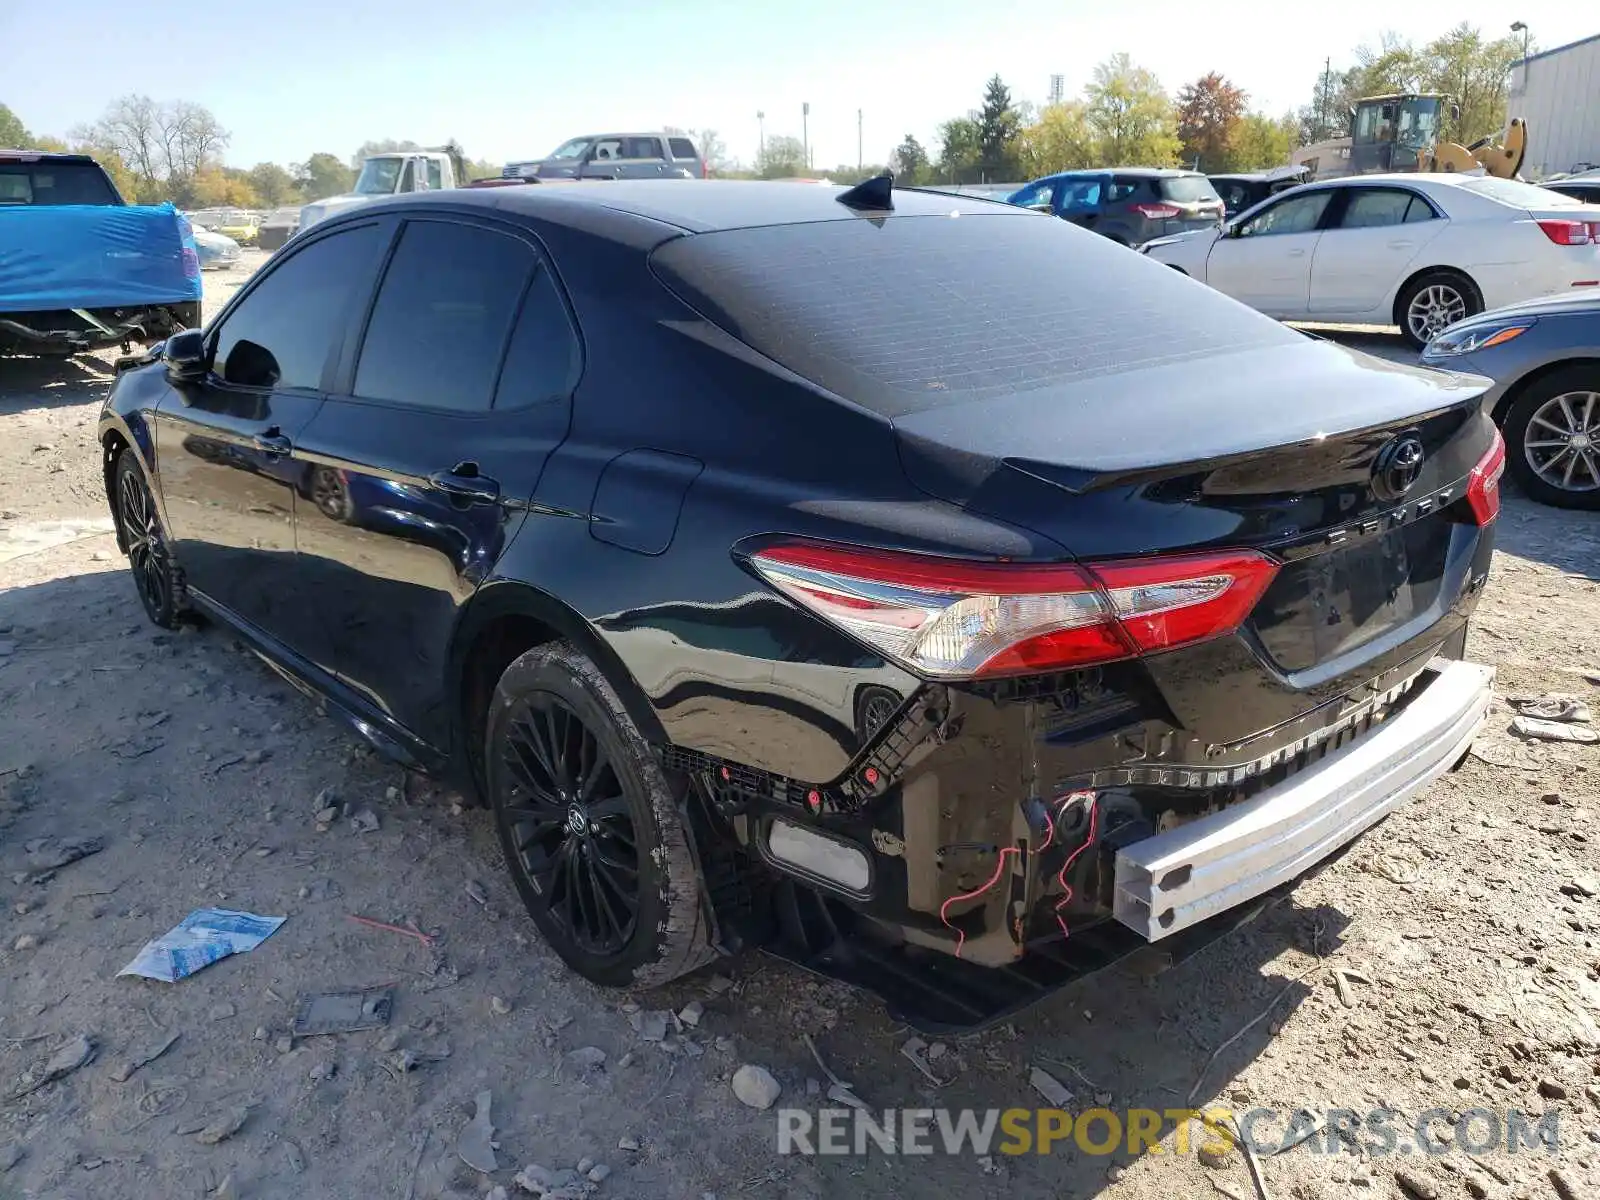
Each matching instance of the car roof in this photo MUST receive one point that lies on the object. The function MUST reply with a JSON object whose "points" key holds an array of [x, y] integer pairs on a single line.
{"points": [[700, 205], [1143, 172], [660, 133], [44, 156]]}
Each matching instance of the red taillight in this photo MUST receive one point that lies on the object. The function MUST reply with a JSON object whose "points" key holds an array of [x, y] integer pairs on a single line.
{"points": [[1569, 233], [1158, 212], [1483, 485], [952, 619]]}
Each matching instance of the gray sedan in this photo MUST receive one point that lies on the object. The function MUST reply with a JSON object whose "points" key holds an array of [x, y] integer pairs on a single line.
{"points": [[1544, 358]]}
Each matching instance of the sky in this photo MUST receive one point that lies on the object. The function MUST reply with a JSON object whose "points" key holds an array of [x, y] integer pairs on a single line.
{"points": [[513, 80]]}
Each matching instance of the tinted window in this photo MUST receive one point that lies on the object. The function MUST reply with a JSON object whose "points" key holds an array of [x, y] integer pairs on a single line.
{"points": [[55, 183], [916, 313], [281, 334], [408, 178], [683, 148], [542, 360], [435, 176], [444, 309], [1081, 194], [1294, 214], [1186, 189], [1375, 206], [1121, 189], [1235, 195]]}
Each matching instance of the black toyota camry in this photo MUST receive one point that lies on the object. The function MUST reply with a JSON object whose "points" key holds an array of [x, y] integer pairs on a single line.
{"points": [[918, 587]]}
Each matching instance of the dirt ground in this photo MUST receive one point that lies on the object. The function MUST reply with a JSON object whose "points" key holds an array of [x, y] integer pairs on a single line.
{"points": [[1472, 950]]}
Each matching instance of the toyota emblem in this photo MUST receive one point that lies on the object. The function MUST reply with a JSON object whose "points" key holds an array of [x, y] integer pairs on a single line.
{"points": [[1398, 467]]}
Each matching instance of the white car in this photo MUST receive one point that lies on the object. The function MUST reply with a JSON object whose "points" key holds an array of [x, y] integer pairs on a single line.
{"points": [[1419, 251]]}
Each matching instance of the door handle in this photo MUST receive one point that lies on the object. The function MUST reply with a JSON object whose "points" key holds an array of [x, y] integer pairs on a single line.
{"points": [[271, 441], [1401, 245], [462, 482], [1297, 254]]}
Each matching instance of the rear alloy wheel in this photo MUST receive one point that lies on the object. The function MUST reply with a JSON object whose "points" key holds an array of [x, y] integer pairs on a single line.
{"points": [[590, 824], [155, 575], [1553, 439], [1433, 303]]}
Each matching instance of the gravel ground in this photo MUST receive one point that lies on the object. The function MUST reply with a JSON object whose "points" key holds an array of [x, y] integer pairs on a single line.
{"points": [[1469, 944]]}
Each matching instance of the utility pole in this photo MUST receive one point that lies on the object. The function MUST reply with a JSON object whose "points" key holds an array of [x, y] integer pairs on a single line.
{"points": [[761, 126], [805, 131], [859, 159], [1327, 83], [1058, 88]]}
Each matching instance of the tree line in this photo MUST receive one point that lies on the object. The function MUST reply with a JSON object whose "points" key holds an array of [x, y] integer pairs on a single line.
{"points": [[1125, 117], [172, 150]]}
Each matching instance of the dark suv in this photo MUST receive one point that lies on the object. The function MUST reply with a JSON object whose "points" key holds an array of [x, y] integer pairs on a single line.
{"points": [[1129, 205], [782, 573]]}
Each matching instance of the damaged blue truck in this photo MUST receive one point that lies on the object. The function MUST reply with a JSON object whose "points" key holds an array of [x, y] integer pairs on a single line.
{"points": [[82, 270]]}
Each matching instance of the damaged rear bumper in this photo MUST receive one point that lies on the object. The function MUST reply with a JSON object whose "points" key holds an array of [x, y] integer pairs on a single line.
{"points": [[1185, 875]]}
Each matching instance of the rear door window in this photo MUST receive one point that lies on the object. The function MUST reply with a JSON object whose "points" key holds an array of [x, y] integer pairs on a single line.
{"points": [[443, 315], [1122, 188], [641, 147], [282, 333], [1369, 207]]}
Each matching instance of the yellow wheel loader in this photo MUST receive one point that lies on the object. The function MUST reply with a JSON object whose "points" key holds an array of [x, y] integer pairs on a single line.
{"points": [[1401, 133]]}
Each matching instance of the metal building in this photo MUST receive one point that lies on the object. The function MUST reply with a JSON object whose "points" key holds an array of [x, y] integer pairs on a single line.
{"points": [[1557, 92]]}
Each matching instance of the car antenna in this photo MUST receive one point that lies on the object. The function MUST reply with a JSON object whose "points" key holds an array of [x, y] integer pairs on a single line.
{"points": [[873, 195]]}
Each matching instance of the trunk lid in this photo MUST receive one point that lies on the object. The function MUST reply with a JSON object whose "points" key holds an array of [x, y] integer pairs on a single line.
{"points": [[1294, 450]]}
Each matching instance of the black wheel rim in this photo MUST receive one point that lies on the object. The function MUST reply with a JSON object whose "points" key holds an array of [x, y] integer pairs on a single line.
{"points": [[147, 554], [570, 825]]}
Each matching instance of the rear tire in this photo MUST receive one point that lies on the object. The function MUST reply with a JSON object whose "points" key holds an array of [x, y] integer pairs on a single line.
{"points": [[590, 826], [1432, 302], [1556, 414]]}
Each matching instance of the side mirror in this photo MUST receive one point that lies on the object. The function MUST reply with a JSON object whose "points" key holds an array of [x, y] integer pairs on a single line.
{"points": [[185, 356], [1455, 112]]}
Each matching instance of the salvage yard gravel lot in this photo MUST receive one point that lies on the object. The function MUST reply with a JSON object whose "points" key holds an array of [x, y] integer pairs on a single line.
{"points": [[1450, 960]]}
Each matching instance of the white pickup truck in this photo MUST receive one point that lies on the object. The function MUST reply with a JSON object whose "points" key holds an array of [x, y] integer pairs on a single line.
{"points": [[391, 174]]}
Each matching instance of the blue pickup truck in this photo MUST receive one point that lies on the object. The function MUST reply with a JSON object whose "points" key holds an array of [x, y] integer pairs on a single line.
{"points": [[79, 268]]}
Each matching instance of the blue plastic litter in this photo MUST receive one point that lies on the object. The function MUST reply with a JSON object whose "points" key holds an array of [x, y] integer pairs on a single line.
{"points": [[95, 256], [203, 937]]}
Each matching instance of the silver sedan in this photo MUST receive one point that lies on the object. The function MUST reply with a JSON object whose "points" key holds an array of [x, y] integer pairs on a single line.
{"points": [[1544, 358]]}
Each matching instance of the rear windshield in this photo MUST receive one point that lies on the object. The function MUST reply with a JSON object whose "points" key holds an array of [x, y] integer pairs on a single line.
{"points": [[914, 313], [1518, 195], [1187, 189], [55, 183]]}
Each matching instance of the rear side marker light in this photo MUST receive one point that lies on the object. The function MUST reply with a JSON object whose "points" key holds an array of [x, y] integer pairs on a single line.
{"points": [[955, 619], [1158, 212], [1569, 233], [1483, 484]]}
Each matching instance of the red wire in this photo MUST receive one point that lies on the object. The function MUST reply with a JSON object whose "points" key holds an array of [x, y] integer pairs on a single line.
{"points": [[999, 869], [1061, 875], [1000, 866]]}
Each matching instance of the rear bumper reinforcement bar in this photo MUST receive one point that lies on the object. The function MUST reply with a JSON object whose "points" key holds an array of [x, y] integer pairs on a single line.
{"points": [[1185, 875]]}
